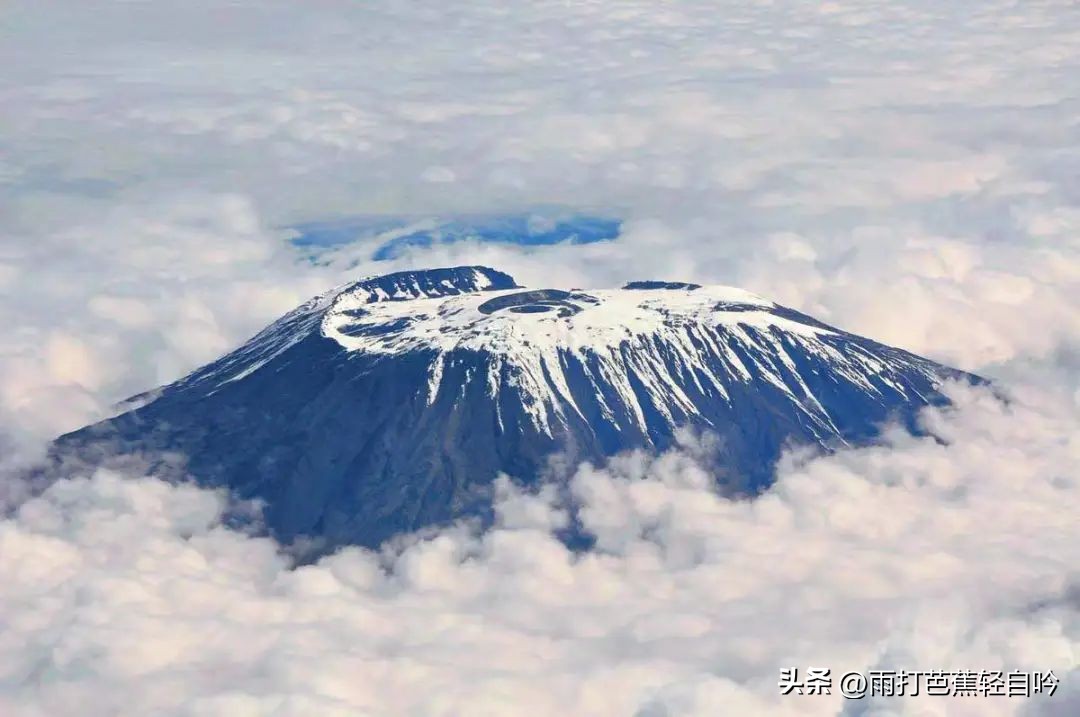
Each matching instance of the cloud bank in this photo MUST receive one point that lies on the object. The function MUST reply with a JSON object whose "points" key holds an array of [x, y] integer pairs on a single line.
{"points": [[127, 596], [903, 170]]}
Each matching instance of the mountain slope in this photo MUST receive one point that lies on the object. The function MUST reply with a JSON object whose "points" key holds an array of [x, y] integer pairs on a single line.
{"points": [[392, 403]]}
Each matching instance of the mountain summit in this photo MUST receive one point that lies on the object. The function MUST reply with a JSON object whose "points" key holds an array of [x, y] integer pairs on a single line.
{"points": [[394, 402]]}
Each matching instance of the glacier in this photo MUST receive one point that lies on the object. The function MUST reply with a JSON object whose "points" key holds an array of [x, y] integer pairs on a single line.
{"points": [[392, 403]]}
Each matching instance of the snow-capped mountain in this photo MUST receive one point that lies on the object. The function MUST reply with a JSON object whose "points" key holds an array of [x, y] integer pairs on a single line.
{"points": [[392, 403]]}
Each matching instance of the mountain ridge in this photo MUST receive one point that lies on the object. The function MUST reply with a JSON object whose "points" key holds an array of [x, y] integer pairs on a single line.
{"points": [[392, 403]]}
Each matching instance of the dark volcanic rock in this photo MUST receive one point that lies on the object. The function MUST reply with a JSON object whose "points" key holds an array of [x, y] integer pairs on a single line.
{"points": [[393, 403]]}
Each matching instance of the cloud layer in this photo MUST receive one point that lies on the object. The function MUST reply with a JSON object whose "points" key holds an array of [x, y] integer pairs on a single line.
{"points": [[904, 170], [126, 596]]}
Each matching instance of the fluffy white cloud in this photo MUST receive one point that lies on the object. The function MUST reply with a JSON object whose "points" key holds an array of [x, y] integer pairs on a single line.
{"points": [[922, 155], [905, 170], [127, 596], [121, 299]]}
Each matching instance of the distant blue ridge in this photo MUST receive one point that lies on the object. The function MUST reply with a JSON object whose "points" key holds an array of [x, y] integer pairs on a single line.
{"points": [[339, 232], [533, 229]]}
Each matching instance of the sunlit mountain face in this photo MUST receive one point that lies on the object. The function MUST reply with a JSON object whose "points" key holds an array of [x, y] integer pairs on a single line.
{"points": [[393, 403]]}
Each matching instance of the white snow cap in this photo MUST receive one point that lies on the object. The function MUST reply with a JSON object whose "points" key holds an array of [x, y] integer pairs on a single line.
{"points": [[655, 333], [502, 320], [666, 339]]}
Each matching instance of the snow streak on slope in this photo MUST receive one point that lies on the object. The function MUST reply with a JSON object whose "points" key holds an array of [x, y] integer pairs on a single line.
{"points": [[649, 337], [300, 322], [393, 403]]}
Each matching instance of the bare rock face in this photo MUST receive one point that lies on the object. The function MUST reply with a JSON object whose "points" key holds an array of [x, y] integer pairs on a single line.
{"points": [[393, 403]]}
